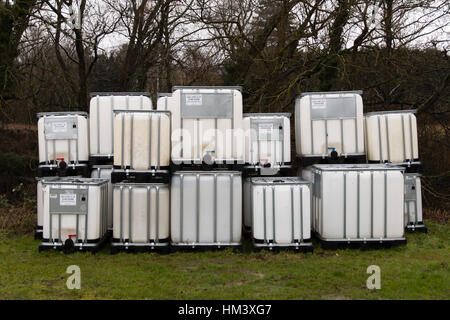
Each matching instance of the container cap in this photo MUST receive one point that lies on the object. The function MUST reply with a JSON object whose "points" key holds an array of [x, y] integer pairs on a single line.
{"points": [[390, 112], [75, 181], [330, 92], [357, 167], [62, 114], [278, 180], [121, 94], [239, 88], [280, 114]]}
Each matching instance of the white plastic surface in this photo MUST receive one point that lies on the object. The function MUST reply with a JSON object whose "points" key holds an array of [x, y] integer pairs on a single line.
{"points": [[101, 123], [144, 196], [195, 195], [337, 133]]}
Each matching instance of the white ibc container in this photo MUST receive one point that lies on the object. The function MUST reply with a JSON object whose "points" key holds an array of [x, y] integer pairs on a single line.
{"points": [[358, 203], [206, 208], [280, 211], [268, 139], [142, 139], [63, 136], [162, 102], [104, 172], [101, 123], [413, 202], [40, 204], [392, 136], [76, 209], [148, 222], [329, 120], [206, 124]]}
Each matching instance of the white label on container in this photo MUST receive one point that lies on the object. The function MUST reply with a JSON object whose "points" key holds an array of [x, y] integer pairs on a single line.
{"points": [[67, 199], [265, 128], [194, 100], [319, 103], [59, 126]]}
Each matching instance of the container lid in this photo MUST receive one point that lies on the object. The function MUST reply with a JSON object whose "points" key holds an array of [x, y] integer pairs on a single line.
{"points": [[280, 114], [278, 180], [62, 114], [390, 112], [330, 92], [209, 172], [357, 167], [141, 111], [75, 181], [239, 88], [163, 94], [145, 94]]}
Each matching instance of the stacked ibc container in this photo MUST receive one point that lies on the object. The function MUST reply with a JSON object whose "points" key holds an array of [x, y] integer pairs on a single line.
{"points": [[63, 151], [101, 133], [391, 137], [329, 128], [206, 163], [140, 179], [352, 202], [276, 206], [71, 208]]}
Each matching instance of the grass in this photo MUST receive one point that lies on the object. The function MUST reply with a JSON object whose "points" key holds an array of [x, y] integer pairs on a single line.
{"points": [[417, 271]]}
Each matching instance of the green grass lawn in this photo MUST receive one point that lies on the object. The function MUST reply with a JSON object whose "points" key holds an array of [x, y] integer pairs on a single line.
{"points": [[418, 270]]}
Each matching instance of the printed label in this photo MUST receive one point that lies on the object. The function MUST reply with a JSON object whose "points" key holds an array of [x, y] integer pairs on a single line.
{"points": [[59, 126], [194, 100], [319, 103], [265, 128], [67, 199]]}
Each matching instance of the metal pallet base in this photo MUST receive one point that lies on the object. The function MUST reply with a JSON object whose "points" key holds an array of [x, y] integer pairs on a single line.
{"points": [[419, 227], [334, 244], [150, 176], [303, 162], [93, 246], [194, 247], [160, 247], [275, 247], [81, 169], [101, 160], [38, 232]]}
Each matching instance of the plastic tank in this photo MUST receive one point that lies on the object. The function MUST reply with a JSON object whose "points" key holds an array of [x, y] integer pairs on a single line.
{"points": [[268, 139], [392, 136], [141, 139], [148, 222], [206, 124], [280, 211], [327, 121], [206, 208], [357, 203], [101, 122], [74, 210], [63, 136]]}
